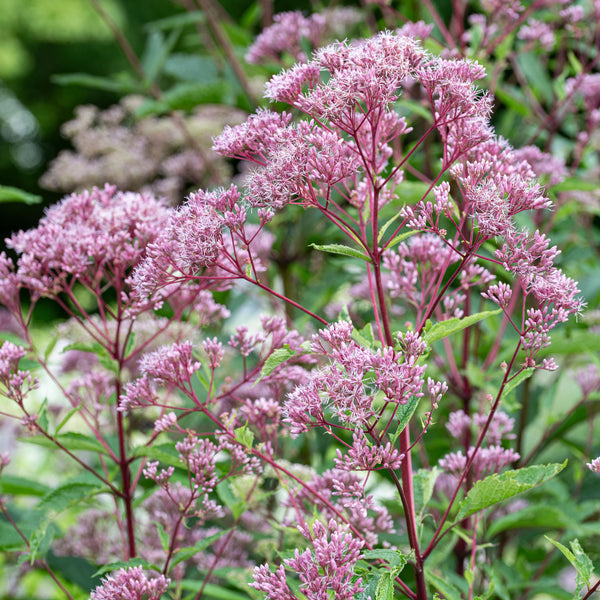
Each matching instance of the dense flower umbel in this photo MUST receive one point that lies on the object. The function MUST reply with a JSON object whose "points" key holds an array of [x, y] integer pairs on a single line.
{"points": [[131, 584], [90, 237], [327, 568], [348, 385]]}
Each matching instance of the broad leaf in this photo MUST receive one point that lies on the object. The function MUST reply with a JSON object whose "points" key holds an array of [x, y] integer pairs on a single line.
{"points": [[579, 559], [55, 502], [190, 551], [341, 249], [385, 587], [516, 381], [501, 486], [450, 326], [449, 591], [277, 357]]}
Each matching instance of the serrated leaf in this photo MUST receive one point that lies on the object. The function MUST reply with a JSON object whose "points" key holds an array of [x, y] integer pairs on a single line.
{"points": [[165, 453], [450, 326], [342, 250], [277, 357], [124, 564], [244, 436], [501, 486], [392, 557], [385, 587], [190, 551], [13, 194], [577, 557]]}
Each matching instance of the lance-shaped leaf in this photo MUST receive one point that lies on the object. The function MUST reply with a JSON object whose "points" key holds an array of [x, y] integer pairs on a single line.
{"points": [[579, 559], [341, 249], [501, 486], [450, 326]]}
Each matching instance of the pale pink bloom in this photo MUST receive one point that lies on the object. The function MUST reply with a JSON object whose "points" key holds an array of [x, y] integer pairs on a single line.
{"points": [[131, 584], [594, 466], [539, 32]]}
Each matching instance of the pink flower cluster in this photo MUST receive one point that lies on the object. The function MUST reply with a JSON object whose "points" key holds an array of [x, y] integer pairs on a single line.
{"points": [[328, 567], [89, 237], [347, 385], [131, 584]]}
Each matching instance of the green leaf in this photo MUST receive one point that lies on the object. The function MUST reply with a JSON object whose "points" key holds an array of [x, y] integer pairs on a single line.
{"points": [[385, 587], [400, 238], [187, 95], [129, 344], [423, 482], [156, 53], [122, 84], [9, 538], [406, 107], [101, 353], [501, 486], [405, 412], [516, 381], [365, 337], [513, 100], [341, 249], [165, 453], [450, 326], [573, 342], [55, 502], [122, 564], [394, 558], [537, 76], [192, 67], [19, 486], [13, 194], [244, 436], [536, 515], [579, 559], [186, 18], [447, 589], [190, 551], [277, 357], [42, 418], [50, 347], [165, 538], [575, 183], [236, 505], [71, 441]]}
